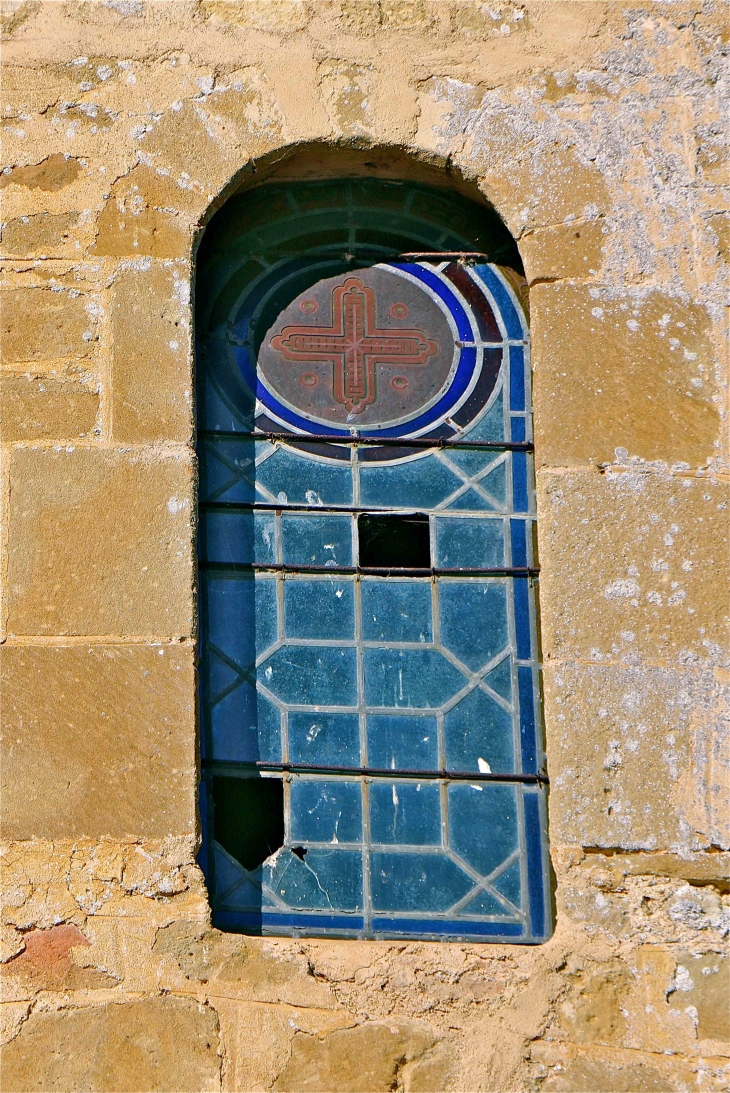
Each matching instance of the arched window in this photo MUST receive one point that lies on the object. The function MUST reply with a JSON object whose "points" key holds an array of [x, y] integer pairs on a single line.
{"points": [[369, 684]]}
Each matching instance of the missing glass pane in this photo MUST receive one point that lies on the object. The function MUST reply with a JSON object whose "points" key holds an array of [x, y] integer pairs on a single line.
{"points": [[249, 817], [399, 541]]}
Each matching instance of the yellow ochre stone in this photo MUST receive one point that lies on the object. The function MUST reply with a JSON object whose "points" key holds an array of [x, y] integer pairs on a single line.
{"points": [[596, 131]]}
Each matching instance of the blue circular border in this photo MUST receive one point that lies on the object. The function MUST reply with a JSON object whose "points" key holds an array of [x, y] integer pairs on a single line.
{"points": [[465, 369]]}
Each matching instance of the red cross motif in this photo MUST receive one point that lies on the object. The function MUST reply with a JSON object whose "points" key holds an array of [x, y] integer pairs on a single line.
{"points": [[354, 345]]}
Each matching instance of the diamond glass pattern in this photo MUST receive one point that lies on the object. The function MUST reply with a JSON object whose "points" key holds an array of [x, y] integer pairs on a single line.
{"points": [[400, 709]]}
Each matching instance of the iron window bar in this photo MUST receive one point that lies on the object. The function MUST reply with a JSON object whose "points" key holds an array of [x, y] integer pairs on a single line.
{"points": [[380, 442], [278, 506], [221, 766], [367, 570]]}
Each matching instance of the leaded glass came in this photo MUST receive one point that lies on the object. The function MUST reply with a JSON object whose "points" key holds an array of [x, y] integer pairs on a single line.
{"points": [[371, 754]]}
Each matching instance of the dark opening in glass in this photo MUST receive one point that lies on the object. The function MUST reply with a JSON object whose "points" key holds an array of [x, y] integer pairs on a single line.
{"points": [[249, 817], [399, 541]]}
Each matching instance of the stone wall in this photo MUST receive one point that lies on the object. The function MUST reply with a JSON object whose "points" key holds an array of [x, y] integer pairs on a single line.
{"points": [[596, 130]]}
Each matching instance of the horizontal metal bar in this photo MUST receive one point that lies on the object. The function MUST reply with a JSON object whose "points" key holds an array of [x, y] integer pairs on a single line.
{"points": [[366, 570], [444, 254], [277, 506], [374, 441], [222, 765]]}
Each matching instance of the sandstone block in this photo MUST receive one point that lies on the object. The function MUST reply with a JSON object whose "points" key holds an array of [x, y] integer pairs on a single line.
{"points": [[150, 1044], [98, 741], [566, 251], [45, 963], [280, 17], [44, 234], [55, 172], [633, 566], [141, 218], [34, 407], [627, 373], [101, 543], [40, 324], [354, 1060], [630, 755], [151, 389], [575, 1069]]}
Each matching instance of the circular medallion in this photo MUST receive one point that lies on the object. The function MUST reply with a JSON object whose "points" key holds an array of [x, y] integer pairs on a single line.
{"points": [[369, 362]]}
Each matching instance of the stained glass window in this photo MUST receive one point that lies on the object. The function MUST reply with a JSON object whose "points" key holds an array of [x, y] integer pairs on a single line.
{"points": [[369, 678]]}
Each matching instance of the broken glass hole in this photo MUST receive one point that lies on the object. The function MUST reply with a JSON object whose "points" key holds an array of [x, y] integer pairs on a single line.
{"points": [[249, 818], [401, 542]]}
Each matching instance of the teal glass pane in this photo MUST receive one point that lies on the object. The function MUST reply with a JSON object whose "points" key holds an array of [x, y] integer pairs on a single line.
{"points": [[316, 540], [326, 880], [483, 824], [319, 608], [294, 479], [326, 811], [409, 678], [416, 882], [399, 742], [238, 537], [332, 740], [473, 619], [478, 731], [469, 543], [421, 483], [405, 813], [304, 675], [394, 610]]}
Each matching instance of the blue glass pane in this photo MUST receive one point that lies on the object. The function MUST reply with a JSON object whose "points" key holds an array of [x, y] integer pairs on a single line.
{"points": [[416, 882], [316, 540], [509, 883], [398, 742], [473, 619], [241, 616], [298, 480], [478, 729], [485, 904], [227, 471], [213, 412], [238, 537], [473, 501], [405, 812], [319, 609], [490, 425], [518, 539], [330, 739], [395, 610], [474, 543], [409, 678], [245, 727], [500, 679], [483, 824], [421, 483], [517, 377], [519, 429], [312, 675], [326, 812], [324, 880]]}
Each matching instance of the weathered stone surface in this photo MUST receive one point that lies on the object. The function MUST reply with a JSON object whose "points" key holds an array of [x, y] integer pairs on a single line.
{"points": [[151, 1044], [43, 234], [140, 218], [151, 376], [567, 251], [703, 982], [34, 407], [98, 740], [634, 566], [633, 754], [40, 324], [602, 1070], [45, 963], [367, 1058], [101, 543], [55, 172], [636, 373]]}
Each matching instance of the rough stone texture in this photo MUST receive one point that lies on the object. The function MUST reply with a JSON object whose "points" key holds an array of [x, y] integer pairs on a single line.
{"points": [[151, 376], [56, 407], [128, 707], [100, 542], [599, 132], [135, 1045]]}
